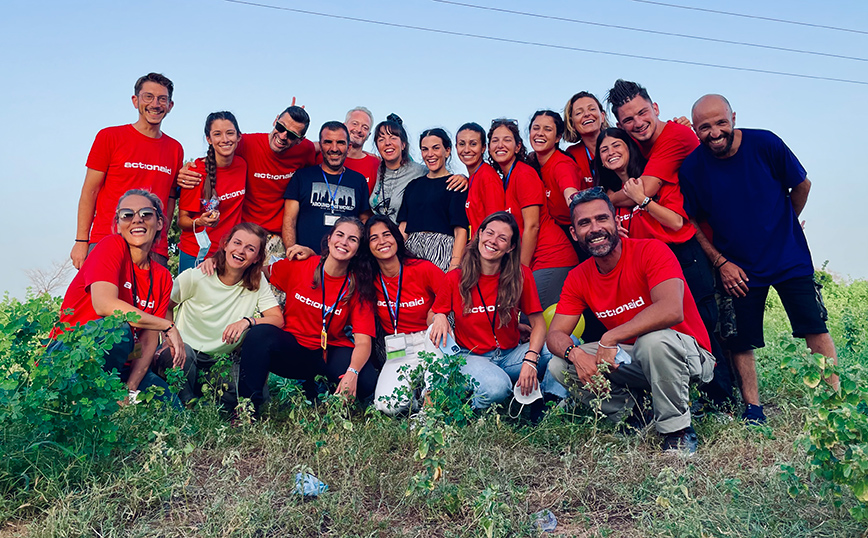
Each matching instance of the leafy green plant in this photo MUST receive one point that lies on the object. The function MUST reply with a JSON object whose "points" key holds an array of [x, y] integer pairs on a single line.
{"points": [[836, 423]]}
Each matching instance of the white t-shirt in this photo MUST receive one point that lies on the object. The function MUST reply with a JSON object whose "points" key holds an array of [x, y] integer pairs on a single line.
{"points": [[207, 306]]}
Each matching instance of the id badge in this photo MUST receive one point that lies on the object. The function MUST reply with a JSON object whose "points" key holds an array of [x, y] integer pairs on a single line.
{"points": [[204, 245], [323, 339], [329, 219], [396, 346]]}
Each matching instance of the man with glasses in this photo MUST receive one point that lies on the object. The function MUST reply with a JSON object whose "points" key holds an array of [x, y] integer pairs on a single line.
{"points": [[272, 160], [125, 157], [319, 195], [654, 341]]}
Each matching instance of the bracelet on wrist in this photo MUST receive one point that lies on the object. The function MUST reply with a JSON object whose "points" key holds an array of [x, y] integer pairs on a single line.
{"points": [[249, 323], [353, 370], [169, 328], [82, 241], [530, 361], [532, 365], [532, 351], [569, 350], [607, 347], [645, 203], [721, 265]]}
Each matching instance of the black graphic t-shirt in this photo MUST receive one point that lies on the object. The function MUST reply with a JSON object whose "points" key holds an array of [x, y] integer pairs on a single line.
{"points": [[322, 198]]}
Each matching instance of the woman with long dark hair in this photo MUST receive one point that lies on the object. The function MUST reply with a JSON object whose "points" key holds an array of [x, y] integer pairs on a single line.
{"points": [[405, 288], [218, 307], [544, 247], [558, 171], [120, 275], [432, 217], [210, 209], [584, 118], [485, 189], [323, 296], [486, 295]]}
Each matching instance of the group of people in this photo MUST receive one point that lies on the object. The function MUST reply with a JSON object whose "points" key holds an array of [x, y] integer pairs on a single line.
{"points": [[308, 259]]}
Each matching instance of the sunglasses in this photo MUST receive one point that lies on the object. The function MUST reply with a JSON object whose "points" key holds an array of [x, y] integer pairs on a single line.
{"points": [[281, 129], [502, 121], [594, 193], [145, 213]]}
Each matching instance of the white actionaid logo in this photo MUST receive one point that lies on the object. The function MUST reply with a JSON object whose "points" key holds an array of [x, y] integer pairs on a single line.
{"points": [[636, 303], [149, 167]]}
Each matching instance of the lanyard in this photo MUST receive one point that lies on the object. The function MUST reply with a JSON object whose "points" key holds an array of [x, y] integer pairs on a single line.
{"points": [[332, 196], [332, 308], [136, 287], [491, 320], [506, 179], [473, 175], [590, 163], [393, 315]]}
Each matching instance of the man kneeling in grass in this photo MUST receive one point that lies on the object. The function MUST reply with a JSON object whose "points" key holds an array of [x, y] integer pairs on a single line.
{"points": [[655, 340]]}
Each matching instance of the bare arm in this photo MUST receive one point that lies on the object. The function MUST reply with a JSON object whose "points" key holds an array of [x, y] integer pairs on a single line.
{"points": [[733, 277], [530, 216], [799, 196], [458, 246], [290, 218], [666, 309], [142, 362], [652, 187], [93, 182], [635, 191], [104, 296], [361, 352]]}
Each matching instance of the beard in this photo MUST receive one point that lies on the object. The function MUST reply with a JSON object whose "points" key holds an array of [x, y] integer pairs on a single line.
{"points": [[600, 250], [730, 137]]}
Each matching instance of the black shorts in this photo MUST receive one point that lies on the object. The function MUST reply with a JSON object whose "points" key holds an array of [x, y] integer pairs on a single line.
{"points": [[802, 301]]}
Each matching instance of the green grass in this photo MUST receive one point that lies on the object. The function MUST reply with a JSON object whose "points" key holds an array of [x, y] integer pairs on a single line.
{"points": [[193, 475]]}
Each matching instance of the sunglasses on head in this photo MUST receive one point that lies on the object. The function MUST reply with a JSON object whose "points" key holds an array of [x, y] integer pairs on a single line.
{"points": [[145, 213], [281, 129], [502, 121]]}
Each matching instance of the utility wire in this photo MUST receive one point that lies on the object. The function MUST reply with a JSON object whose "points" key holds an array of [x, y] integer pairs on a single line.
{"points": [[772, 19], [546, 45], [647, 31]]}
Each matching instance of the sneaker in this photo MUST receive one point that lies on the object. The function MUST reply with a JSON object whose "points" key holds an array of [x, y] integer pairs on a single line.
{"points": [[681, 442], [753, 414]]}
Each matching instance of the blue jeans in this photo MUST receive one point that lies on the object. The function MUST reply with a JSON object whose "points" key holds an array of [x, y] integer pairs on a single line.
{"points": [[116, 358], [185, 261], [497, 376]]}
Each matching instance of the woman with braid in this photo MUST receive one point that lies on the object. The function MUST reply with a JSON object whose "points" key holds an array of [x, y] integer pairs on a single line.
{"points": [[212, 208]]}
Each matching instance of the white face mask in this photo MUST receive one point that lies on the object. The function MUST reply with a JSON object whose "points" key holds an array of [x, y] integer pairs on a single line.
{"points": [[204, 245], [517, 396]]}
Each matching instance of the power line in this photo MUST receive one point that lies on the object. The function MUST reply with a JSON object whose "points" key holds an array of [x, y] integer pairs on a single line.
{"points": [[657, 32], [772, 19], [545, 45]]}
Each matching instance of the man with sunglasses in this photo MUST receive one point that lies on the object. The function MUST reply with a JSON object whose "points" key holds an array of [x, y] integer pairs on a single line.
{"points": [[655, 340], [272, 159], [132, 156]]}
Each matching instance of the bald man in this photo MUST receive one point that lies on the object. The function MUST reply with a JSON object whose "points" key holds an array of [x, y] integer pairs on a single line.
{"points": [[751, 189]]}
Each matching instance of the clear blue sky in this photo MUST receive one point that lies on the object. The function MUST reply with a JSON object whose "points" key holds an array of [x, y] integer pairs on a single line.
{"points": [[69, 68]]}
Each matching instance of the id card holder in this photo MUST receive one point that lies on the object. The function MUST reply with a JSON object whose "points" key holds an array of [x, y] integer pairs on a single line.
{"points": [[396, 346], [323, 340], [329, 219]]}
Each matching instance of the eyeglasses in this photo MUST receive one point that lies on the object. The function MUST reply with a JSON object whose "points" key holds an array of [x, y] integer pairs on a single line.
{"points": [[145, 213], [148, 98], [281, 129]]}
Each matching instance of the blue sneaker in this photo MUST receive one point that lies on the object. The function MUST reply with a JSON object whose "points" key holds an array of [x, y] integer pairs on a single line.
{"points": [[753, 414], [681, 442]]}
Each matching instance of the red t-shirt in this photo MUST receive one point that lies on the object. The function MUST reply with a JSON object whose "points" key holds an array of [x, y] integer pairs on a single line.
{"points": [[670, 149], [473, 330], [303, 314], [484, 196], [231, 181], [131, 160], [620, 294], [110, 262], [268, 173], [558, 174], [584, 162], [419, 286], [552, 247]]}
